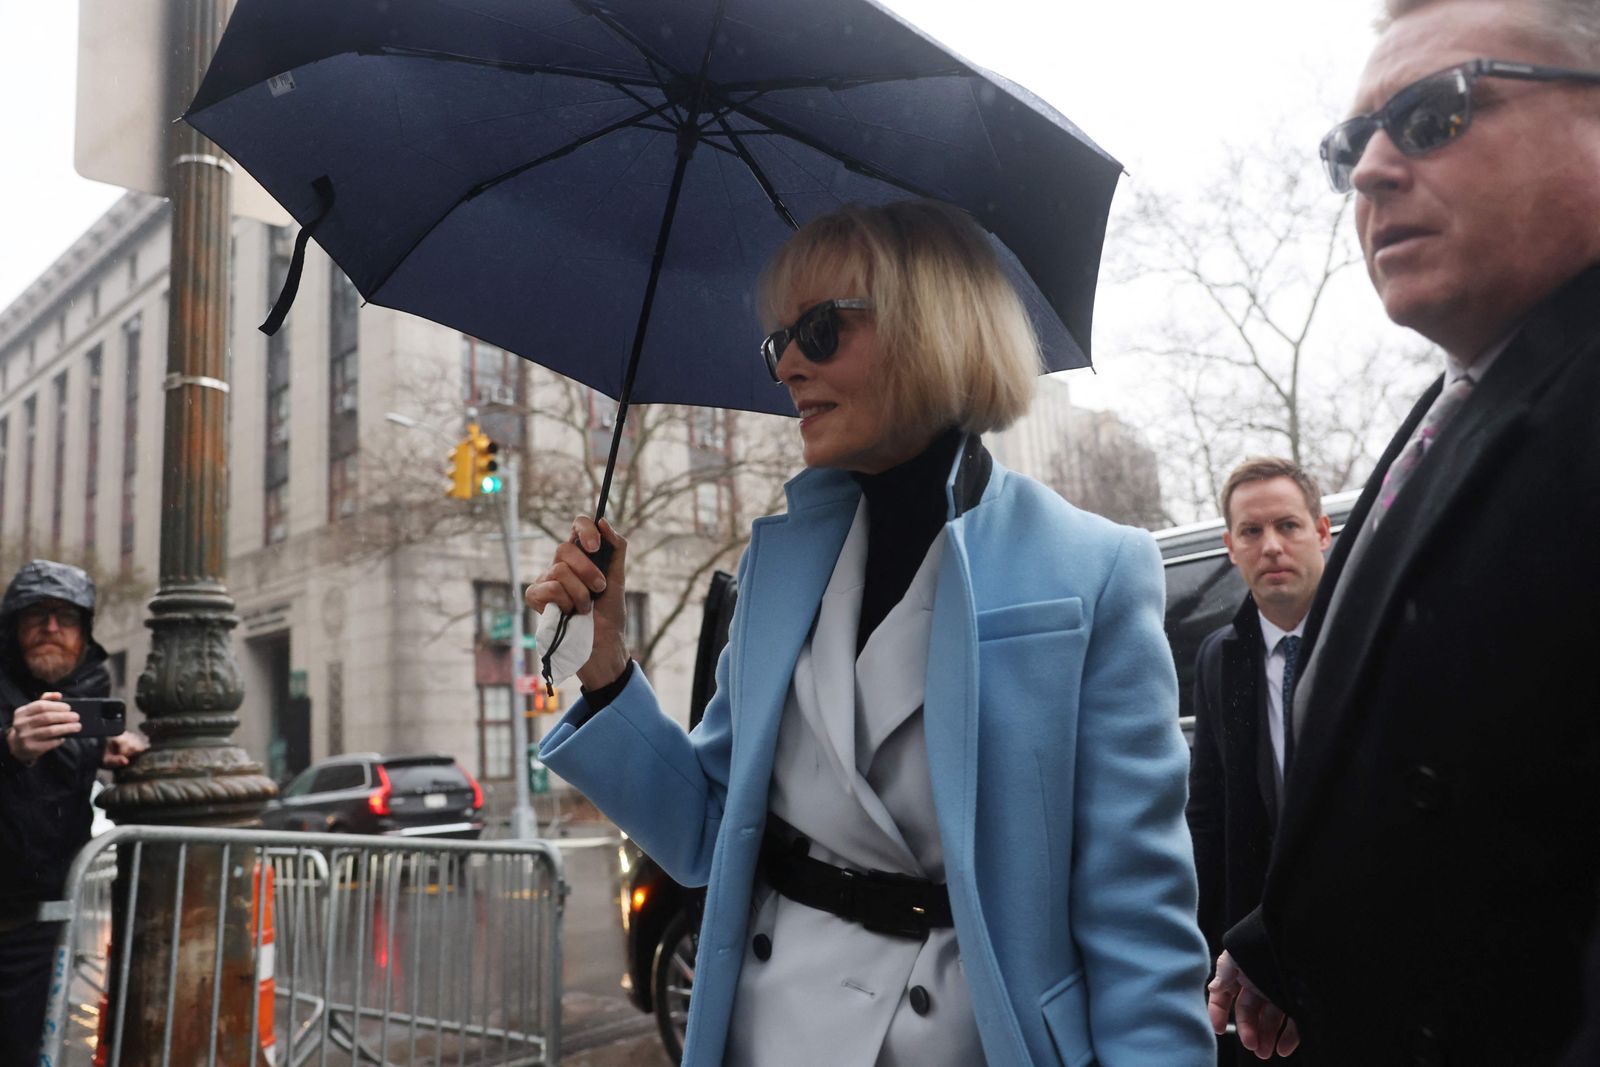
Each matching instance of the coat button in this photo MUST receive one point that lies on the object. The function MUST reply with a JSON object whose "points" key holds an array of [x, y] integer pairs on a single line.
{"points": [[1426, 788], [762, 946], [921, 1003]]}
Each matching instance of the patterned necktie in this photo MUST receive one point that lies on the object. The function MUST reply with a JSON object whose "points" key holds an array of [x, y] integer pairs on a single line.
{"points": [[1291, 669], [1433, 423]]}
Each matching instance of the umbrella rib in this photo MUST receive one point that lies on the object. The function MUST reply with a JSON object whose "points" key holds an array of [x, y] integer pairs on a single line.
{"points": [[627, 37], [759, 175], [618, 81], [859, 166], [761, 88], [489, 183]]}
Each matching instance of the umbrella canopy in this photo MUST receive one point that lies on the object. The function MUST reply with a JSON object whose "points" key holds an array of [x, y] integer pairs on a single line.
{"points": [[594, 184]]}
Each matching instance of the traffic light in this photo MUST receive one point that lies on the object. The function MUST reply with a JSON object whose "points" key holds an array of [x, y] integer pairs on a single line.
{"points": [[460, 471], [485, 467]]}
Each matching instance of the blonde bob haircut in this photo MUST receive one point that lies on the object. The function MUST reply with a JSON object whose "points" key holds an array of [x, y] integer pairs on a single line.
{"points": [[956, 345]]}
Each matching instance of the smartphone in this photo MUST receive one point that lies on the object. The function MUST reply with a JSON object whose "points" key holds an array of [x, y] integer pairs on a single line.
{"points": [[100, 716]]}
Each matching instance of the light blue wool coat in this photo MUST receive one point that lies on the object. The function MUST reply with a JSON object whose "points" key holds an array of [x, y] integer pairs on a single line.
{"points": [[1058, 767]]}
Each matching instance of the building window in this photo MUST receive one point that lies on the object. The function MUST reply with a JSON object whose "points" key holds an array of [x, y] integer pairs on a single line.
{"points": [[91, 473], [708, 430], [30, 433], [94, 302], [132, 331], [495, 382], [276, 481], [602, 423], [133, 268], [494, 732], [343, 391], [58, 475], [713, 505], [492, 642]]}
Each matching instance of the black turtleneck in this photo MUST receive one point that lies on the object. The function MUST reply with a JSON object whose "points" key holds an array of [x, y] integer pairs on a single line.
{"points": [[906, 509]]}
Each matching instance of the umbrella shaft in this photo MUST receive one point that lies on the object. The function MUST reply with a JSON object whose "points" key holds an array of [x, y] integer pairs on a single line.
{"points": [[685, 151]]}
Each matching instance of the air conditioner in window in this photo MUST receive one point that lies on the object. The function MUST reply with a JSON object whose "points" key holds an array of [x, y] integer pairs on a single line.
{"points": [[279, 434], [496, 394], [345, 401]]}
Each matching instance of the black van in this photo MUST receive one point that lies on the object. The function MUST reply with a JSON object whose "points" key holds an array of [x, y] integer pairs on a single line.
{"points": [[661, 918]]}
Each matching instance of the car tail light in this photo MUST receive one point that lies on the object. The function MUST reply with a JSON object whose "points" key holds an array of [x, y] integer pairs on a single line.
{"points": [[378, 799], [477, 790]]}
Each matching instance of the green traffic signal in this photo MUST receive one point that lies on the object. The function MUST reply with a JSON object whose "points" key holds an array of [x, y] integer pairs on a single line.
{"points": [[490, 484]]}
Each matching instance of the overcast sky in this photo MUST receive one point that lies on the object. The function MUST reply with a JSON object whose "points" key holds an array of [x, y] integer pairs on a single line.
{"points": [[1161, 84]]}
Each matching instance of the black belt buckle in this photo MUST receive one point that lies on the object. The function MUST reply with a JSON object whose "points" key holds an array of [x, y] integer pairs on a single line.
{"points": [[889, 906]]}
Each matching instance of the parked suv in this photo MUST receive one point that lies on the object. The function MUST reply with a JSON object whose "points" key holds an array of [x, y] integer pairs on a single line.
{"points": [[365, 793], [662, 918]]}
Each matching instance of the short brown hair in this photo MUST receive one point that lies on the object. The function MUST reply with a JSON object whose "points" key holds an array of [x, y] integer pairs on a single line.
{"points": [[957, 345], [1265, 468]]}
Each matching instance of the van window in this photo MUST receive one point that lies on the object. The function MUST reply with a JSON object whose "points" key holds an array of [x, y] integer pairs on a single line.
{"points": [[1204, 591]]}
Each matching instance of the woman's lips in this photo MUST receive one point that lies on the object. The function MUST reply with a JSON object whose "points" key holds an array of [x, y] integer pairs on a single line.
{"points": [[810, 413]]}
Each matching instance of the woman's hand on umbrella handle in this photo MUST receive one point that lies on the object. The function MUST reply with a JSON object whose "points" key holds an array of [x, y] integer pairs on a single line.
{"points": [[574, 583]]}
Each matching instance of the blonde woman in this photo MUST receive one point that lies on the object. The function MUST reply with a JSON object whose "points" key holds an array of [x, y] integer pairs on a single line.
{"points": [[938, 796]]}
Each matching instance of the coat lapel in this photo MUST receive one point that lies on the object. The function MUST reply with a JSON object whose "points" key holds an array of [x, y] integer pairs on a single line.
{"points": [[791, 557], [1491, 422]]}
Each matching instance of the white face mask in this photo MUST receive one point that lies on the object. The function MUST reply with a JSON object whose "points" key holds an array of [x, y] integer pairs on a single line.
{"points": [[576, 644]]}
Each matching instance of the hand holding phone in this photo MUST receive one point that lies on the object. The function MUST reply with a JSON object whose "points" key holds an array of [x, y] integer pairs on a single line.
{"points": [[99, 716]]}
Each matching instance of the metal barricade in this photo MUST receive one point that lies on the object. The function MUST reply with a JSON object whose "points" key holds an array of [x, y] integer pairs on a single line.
{"points": [[361, 950]]}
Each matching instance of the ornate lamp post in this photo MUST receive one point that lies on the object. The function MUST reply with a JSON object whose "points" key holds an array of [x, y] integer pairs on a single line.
{"points": [[191, 689]]}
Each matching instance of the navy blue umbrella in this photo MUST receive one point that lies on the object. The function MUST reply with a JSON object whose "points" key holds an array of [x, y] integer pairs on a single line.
{"points": [[594, 184]]}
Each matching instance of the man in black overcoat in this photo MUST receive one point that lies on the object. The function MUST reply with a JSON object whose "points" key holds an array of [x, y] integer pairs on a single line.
{"points": [[1276, 534], [1433, 884]]}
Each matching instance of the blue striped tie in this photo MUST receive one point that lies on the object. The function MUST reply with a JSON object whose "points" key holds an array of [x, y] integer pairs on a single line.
{"points": [[1291, 669]]}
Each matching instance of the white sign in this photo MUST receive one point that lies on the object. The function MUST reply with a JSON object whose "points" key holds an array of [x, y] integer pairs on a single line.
{"points": [[129, 94]]}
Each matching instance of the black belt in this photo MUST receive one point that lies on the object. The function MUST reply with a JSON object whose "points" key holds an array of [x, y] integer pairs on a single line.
{"points": [[895, 904]]}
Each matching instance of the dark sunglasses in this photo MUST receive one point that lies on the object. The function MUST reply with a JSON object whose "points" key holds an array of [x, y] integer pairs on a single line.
{"points": [[1429, 113], [816, 332]]}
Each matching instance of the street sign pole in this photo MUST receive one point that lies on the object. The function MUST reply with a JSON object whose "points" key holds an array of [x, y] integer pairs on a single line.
{"points": [[524, 825]]}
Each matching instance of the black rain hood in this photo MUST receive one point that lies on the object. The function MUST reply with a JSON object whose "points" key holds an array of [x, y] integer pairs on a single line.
{"points": [[40, 580]]}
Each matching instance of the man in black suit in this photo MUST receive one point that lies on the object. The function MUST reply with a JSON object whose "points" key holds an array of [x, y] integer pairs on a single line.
{"points": [[1434, 878], [1244, 678]]}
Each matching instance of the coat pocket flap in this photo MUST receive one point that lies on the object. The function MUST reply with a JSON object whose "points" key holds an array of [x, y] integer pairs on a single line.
{"points": [[1065, 1007], [1037, 617]]}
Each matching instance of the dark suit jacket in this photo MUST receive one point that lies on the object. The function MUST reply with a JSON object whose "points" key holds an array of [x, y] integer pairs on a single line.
{"points": [[1433, 883], [1233, 778]]}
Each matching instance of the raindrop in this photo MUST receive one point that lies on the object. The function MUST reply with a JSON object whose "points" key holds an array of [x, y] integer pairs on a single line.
{"points": [[986, 94]]}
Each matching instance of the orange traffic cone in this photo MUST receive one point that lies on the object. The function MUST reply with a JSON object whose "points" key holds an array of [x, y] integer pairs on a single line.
{"points": [[266, 961]]}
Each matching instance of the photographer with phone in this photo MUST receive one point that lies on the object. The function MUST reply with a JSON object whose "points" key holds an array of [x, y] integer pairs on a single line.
{"points": [[48, 659]]}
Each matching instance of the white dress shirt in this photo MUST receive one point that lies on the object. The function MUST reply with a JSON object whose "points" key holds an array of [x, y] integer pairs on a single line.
{"points": [[851, 774], [1272, 637]]}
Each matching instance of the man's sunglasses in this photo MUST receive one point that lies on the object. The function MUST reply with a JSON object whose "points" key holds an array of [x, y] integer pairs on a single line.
{"points": [[816, 332], [1429, 113], [67, 618]]}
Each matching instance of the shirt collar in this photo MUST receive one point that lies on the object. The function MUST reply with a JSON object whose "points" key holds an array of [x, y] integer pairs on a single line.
{"points": [[1271, 634], [1455, 369]]}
